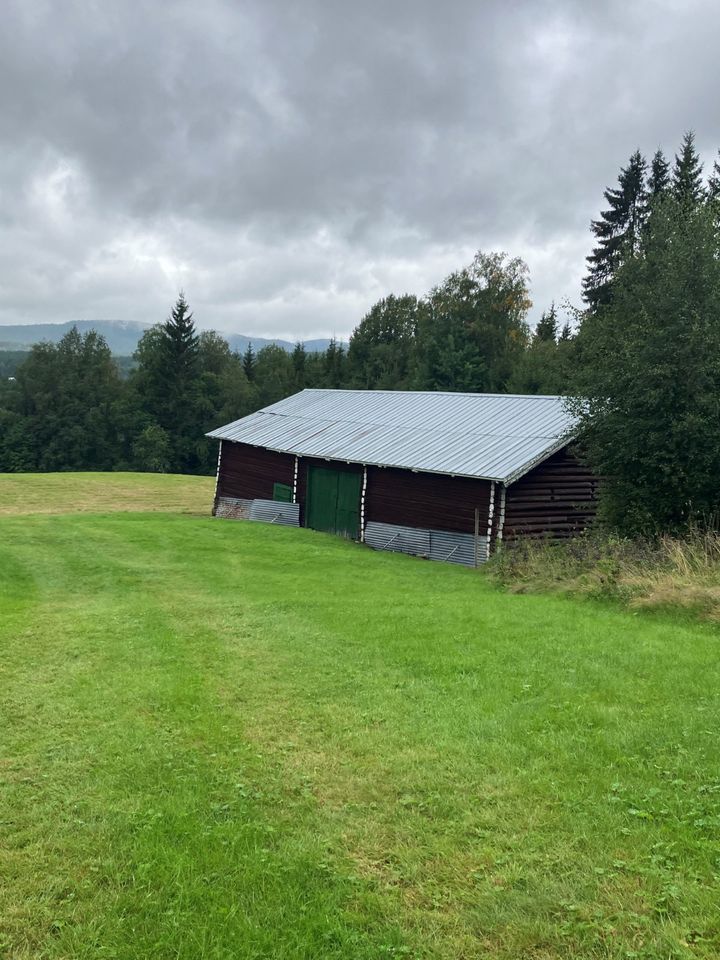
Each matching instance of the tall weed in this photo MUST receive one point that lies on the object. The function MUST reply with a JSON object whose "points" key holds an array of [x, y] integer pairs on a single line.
{"points": [[666, 572]]}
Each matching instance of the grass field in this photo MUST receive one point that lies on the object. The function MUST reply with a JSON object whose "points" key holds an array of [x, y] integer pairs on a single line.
{"points": [[24, 493], [230, 740]]}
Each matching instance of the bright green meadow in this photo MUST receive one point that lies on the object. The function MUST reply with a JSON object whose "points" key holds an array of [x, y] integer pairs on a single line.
{"points": [[230, 740]]}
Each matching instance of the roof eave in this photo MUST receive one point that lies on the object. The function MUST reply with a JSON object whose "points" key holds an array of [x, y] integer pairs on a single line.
{"points": [[540, 458]]}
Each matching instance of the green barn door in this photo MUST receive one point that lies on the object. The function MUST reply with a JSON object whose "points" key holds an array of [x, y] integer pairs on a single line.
{"points": [[333, 501], [347, 514]]}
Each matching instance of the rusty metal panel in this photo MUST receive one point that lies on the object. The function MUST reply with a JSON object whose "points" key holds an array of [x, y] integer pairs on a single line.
{"points": [[487, 436]]}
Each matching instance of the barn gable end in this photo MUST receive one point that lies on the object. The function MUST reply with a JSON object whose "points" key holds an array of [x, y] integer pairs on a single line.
{"points": [[556, 499]]}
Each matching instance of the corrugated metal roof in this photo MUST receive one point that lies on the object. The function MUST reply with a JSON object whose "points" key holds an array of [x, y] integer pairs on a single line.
{"points": [[490, 436]]}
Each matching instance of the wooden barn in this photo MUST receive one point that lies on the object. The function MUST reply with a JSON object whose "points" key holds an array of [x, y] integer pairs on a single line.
{"points": [[440, 475]]}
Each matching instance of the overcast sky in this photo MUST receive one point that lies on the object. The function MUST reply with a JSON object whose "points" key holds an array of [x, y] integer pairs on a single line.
{"points": [[289, 163]]}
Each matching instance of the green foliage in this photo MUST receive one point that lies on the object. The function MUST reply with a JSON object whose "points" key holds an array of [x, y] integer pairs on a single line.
{"points": [[472, 330], [332, 368], [659, 179], [546, 366], [687, 185], [248, 362], [618, 230], [714, 181], [63, 411], [546, 330], [382, 345], [274, 375], [300, 366], [10, 360], [152, 450], [168, 382], [650, 375]]}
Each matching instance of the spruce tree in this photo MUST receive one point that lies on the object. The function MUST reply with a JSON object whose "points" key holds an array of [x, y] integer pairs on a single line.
{"points": [[659, 179], [687, 185], [714, 181], [299, 359], [180, 342], [180, 414], [649, 373], [248, 362], [168, 384], [618, 230], [546, 330]]}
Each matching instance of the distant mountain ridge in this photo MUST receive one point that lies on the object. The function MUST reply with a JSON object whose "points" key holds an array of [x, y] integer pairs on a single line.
{"points": [[122, 336]]}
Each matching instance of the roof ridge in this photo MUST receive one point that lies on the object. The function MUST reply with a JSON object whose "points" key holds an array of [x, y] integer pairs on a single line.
{"points": [[429, 393]]}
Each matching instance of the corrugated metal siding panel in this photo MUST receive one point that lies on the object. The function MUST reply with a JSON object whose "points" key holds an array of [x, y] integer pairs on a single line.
{"points": [[274, 511], [398, 539], [472, 435], [433, 544], [249, 472], [457, 547], [557, 499], [270, 511], [428, 501]]}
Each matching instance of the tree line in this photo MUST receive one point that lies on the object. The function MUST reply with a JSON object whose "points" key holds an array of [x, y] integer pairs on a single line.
{"points": [[71, 407], [642, 353]]}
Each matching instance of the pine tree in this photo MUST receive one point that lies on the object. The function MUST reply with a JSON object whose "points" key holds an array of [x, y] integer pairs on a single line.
{"points": [[248, 362], [618, 230], [659, 179], [546, 330], [687, 183]]}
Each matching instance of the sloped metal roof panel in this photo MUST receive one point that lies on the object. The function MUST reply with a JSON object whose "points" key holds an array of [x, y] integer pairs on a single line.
{"points": [[488, 436]]}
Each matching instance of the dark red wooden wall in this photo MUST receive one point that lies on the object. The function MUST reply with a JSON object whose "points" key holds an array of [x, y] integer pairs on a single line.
{"points": [[426, 500], [555, 499], [248, 473]]}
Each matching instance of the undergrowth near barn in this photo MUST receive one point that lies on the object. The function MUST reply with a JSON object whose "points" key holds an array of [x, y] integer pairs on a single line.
{"points": [[230, 740], [671, 574]]}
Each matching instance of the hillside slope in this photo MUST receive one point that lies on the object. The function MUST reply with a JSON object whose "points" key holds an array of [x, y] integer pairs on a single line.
{"points": [[233, 740]]}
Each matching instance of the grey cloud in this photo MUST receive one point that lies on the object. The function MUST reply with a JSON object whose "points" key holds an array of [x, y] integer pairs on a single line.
{"points": [[289, 162]]}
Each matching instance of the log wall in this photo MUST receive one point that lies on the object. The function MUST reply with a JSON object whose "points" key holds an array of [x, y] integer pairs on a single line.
{"points": [[426, 500], [248, 473], [556, 499]]}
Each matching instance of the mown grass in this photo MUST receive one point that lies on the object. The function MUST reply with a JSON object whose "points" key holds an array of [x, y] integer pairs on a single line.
{"points": [[672, 574], [232, 740], [27, 493]]}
